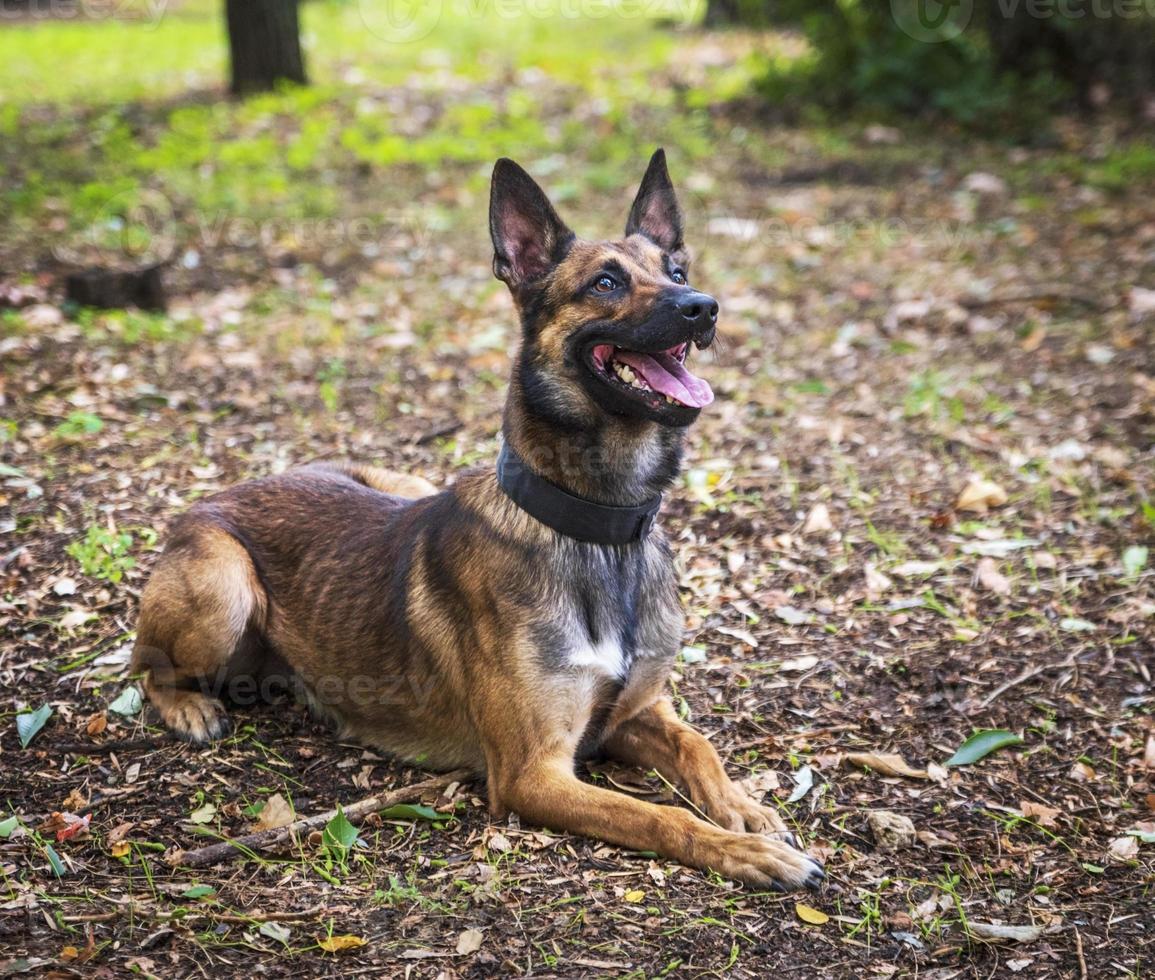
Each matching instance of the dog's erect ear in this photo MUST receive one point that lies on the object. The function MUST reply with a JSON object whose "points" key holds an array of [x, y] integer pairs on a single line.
{"points": [[655, 213], [529, 238]]}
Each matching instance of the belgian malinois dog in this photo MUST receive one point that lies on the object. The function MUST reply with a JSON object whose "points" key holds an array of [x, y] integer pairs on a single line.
{"points": [[524, 619]]}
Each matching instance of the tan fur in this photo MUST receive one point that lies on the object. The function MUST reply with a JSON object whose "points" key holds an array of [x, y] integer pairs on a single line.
{"points": [[453, 629]]}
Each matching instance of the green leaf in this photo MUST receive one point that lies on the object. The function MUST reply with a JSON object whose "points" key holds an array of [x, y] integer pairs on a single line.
{"points": [[412, 811], [1135, 560], [1145, 836], [1094, 869], [8, 827], [128, 703], [58, 868], [198, 891], [28, 723], [6, 470], [981, 744], [339, 835], [1073, 625]]}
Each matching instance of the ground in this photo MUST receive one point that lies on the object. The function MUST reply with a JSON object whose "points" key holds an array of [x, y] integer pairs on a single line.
{"points": [[918, 508]]}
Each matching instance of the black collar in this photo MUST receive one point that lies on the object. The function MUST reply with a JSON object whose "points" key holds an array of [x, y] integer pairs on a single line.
{"points": [[575, 517]]}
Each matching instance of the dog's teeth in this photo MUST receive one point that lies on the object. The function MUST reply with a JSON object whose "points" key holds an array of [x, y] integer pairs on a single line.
{"points": [[671, 400], [625, 372]]}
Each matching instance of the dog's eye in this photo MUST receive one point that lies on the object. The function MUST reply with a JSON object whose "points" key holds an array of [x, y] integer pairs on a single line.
{"points": [[679, 277], [605, 284]]}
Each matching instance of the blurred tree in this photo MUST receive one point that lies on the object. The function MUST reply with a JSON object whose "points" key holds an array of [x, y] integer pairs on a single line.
{"points": [[264, 44]]}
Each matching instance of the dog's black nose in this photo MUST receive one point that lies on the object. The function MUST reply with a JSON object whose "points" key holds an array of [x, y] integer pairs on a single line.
{"points": [[702, 312]]}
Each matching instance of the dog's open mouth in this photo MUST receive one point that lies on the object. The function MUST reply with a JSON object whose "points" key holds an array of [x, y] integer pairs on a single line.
{"points": [[654, 376]]}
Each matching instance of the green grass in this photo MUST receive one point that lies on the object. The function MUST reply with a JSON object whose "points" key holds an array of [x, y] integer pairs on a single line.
{"points": [[184, 164]]}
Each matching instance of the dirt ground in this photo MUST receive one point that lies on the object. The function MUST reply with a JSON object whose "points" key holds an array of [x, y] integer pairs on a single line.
{"points": [[908, 317]]}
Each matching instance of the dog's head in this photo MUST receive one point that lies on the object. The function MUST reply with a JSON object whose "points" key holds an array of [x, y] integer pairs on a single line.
{"points": [[608, 325]]}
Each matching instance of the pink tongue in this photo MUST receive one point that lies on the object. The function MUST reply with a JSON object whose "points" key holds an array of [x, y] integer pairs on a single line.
{"points": [[668, 375]]}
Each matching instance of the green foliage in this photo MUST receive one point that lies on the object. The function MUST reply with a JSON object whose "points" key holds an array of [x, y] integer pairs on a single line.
{"points": [[78, 425], [992, 68], [106, 554]]}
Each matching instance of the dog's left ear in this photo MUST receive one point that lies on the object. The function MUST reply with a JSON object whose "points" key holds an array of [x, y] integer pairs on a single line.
{"points": [[655, 213]]}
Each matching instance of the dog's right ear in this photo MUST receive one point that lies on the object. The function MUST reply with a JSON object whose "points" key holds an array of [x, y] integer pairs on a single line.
{"points": [[529, 238]]}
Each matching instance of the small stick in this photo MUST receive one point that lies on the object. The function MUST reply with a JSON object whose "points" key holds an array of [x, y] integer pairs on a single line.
{"points": [[354, 813], [1079, 953], [1026, 675]]}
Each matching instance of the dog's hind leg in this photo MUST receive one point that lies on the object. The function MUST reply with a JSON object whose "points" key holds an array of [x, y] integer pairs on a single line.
{"points": [[202, 610]]}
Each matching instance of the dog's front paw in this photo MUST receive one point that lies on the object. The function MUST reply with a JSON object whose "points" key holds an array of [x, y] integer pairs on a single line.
{"points": [[741, 814], [766, 863]]}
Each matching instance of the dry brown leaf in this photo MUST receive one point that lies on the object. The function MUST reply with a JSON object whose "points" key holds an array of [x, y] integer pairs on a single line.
{"points": [[979, 495], [1044, 816], [886, 763], [991, 579], [469, 941], [276, 813], [1149, 752], [97, 724]]}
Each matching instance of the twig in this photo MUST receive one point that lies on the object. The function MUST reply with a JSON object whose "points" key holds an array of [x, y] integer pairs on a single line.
{"points": [[1079, 953], [1026, 675], [354, 813], [158, 915]]}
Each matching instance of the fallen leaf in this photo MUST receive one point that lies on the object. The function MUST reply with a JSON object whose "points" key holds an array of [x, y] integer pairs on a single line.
{"points": [[120, 849], [277, 812], [128, 703], [277, 931], [1149, 752], [798, 665], [1044, 816], [991, 579], [885, 763], [877, 584], [339, 944], [203, 814], [1072, 624], [811, 916], [65, 586], [469, 941], [818, 520], [29, 723], [634, 896], [500, 843], [792, 616], [992, 933], [1123, 849], [803, 783], [981, 744], [980, 495], [97, 724]]}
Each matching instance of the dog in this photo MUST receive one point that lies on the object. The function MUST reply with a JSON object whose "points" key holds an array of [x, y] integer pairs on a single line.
{"points": [[521, 621]]}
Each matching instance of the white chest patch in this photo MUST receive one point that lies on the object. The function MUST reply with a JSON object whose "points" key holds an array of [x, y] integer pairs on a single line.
{"points": [[606, 657]]}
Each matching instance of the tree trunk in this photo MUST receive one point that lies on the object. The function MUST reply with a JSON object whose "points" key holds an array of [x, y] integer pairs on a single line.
{"points": [[264, 43]]}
